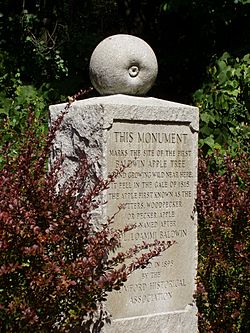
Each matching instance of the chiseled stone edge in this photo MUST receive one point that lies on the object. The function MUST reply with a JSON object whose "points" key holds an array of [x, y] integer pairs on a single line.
{"points": [[145, 109], [141, 109]]}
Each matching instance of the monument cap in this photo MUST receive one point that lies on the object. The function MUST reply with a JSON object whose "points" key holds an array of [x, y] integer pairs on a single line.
{"points": [[123, 64]]}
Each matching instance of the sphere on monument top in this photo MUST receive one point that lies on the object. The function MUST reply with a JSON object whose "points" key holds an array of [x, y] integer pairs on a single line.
{"points": [[123, 64]]}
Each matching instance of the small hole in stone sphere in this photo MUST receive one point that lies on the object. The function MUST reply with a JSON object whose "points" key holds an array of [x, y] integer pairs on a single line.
{"points": [[133, 71]]}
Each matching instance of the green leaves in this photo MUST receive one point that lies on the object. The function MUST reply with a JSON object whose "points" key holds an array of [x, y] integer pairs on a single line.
{"points": [[224, 104], [16, 99]]}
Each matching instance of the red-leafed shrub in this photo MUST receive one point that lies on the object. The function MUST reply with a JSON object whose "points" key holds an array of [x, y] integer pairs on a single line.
{"points": [[224, 244], [56, 265]]}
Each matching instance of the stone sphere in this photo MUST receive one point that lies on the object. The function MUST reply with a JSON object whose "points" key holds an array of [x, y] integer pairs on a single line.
{"points": [[123, 64]]}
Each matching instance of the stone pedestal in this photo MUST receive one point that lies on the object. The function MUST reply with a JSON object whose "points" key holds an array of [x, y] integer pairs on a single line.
{"points": [[158, 140]]}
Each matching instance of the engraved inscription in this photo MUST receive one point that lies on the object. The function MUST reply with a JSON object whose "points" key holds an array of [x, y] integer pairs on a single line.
{"points": [[157, 190]]}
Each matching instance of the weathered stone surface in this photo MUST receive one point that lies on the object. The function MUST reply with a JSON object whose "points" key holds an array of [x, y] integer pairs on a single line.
{"points": [[158, 139], [172, 322], [123, 64]]}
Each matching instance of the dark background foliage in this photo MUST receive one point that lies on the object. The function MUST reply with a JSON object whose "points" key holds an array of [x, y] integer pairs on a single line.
{"points": [[46, 40], [46, 47], [203, 51]]}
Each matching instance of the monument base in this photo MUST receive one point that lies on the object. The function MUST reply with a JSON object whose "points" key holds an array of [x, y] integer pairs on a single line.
{"points": [[172, 322]]}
